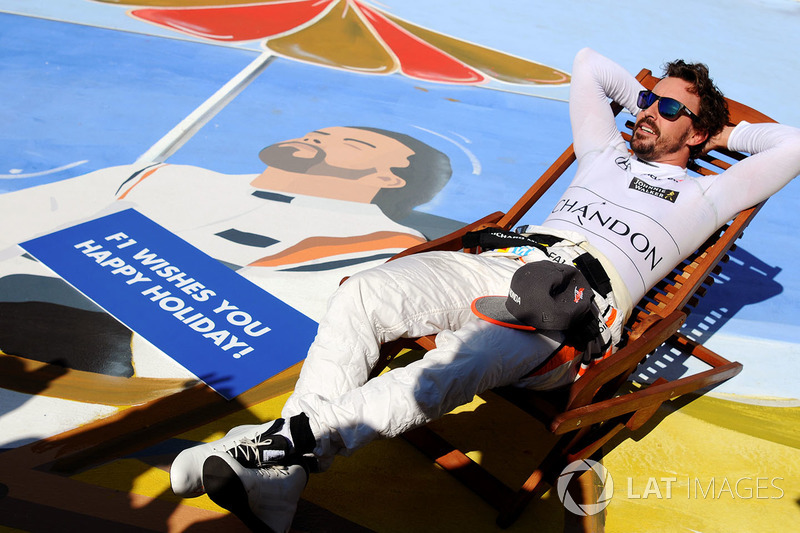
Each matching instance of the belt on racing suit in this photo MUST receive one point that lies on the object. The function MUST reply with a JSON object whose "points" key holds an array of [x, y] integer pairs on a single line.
{"points": [[495, 238], [588, 265], [593, 271]]}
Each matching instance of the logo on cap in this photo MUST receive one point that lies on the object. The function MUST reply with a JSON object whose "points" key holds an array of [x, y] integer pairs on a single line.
{"points": [[578, 294]]}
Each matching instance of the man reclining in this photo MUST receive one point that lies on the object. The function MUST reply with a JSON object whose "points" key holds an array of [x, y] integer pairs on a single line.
{"points": [[624, 221]]}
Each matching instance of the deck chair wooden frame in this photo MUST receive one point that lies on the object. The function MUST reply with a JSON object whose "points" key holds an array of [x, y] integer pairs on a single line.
{"points": [[589, 412]]}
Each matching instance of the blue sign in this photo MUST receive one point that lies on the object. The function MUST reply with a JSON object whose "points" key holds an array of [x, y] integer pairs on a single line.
{"points": [[226, 330]]}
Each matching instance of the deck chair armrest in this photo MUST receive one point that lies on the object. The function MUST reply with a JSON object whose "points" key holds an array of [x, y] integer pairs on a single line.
{"points": [[624, 360], [644, 401], [452, 241]]}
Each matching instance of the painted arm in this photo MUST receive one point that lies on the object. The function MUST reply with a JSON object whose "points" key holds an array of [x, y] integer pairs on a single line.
{"points": [[315, 248], [39, 210]]}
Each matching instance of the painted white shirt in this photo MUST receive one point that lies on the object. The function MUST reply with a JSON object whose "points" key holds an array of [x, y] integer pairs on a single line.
{"points": [[217, 213], [225, 216], [203, 207]]}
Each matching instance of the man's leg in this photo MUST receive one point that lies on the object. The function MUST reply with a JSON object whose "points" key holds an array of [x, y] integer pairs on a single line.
{"points": [[341, 411], [411, 297], [476, 357]]}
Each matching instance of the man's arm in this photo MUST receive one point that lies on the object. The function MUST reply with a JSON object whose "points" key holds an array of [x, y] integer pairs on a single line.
{"points": [[595, 79], [774, 162], [720, 140]]}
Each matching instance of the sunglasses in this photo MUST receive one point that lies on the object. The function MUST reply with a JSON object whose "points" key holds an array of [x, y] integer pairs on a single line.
{"points": [[669, 108]]}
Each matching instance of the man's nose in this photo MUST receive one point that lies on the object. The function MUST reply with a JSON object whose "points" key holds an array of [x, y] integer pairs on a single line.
{"points": [[651, 111]]}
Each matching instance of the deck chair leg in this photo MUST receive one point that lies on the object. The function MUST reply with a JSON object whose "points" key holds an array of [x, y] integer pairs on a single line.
{"points": [[537, 483], [472, 475], [585, 490], [544, 476], [533, 488]]}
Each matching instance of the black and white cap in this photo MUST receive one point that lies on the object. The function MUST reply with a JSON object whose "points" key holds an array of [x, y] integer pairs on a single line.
{"points": [[543, 295]]}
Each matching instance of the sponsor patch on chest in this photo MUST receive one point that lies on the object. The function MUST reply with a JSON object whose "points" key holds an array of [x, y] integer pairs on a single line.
{"points": [[659, 192]]}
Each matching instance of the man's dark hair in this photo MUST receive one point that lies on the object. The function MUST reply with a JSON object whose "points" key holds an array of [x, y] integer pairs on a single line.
{"points": [[713, 113], [427, 172]]}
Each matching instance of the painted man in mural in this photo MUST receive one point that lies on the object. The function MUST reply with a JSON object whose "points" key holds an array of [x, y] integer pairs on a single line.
{"points": [[292, 213], [327, 203], [259, 472]]}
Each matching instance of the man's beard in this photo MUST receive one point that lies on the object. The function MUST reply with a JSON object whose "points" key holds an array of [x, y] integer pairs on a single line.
{"points": [[657, 146], [281, 156]]}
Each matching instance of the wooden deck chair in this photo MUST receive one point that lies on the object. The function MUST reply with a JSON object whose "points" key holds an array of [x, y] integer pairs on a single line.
{"points": [[592, 410]]}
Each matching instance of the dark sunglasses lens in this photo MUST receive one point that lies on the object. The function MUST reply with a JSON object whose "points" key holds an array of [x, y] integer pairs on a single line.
{"points": [[646, 99], [669, 108]]}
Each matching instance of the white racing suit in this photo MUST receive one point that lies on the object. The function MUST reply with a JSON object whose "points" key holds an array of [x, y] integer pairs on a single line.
{"points": [[645, 217], [413, 296]]}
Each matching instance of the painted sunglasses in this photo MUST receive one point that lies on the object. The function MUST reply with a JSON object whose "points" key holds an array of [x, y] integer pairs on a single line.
{"points": [[669, 108]]}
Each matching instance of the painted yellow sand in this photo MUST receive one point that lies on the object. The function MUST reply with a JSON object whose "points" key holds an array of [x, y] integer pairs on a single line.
{"points": [[731, 467], [715, 465]]}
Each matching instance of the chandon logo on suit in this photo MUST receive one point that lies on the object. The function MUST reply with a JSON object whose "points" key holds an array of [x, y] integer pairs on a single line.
{"points": [[591, 214], [659, 192]]}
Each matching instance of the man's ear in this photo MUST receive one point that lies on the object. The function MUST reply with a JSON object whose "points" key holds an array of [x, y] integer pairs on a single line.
{"points": [[385, 181], [698, 137]]}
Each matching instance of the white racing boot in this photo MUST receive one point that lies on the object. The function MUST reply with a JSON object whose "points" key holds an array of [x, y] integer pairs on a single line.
{"points": [[251, 445], [264, 498]]}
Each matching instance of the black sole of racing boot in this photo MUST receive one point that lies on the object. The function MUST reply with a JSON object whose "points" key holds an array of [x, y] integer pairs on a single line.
{"points": [[225, 489]]}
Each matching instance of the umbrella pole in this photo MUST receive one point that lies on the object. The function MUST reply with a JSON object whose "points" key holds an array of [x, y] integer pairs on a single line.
{"points": [[185, 129]]}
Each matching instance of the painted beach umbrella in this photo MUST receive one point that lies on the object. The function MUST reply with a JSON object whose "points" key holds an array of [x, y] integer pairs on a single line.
{"points": [[345, 34], [348, 34]]}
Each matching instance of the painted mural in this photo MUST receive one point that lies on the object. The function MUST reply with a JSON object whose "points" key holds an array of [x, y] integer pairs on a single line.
{"points": [[293, 143], [292, 204]]}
